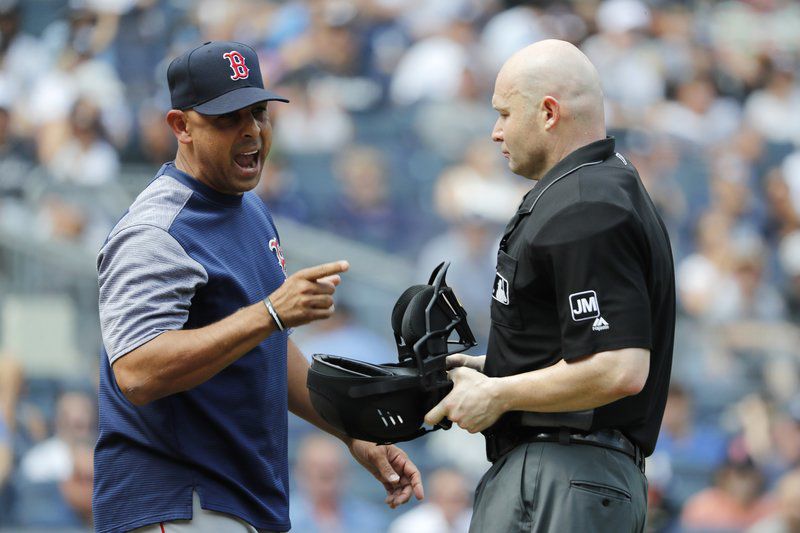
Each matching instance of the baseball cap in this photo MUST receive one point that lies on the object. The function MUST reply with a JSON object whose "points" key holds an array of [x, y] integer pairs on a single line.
{"points": [[217, 77]]}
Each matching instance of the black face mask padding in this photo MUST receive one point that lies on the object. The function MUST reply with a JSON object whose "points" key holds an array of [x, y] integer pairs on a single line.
{"points": [[401, 305], [413, 326]]}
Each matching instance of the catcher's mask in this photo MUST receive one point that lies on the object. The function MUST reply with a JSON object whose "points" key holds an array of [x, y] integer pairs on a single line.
{"points": [[387, 403]]}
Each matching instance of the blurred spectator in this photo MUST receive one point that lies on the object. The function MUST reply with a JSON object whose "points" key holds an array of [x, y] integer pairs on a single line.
{"points": [[689, 450], [698, 114], [464, 120], [342, 335], [156, 143], [706, 274], [17, 154], [468, 245], [76, 490], [774, 111], [658, 160], [480, 185], [463, 450], [755, 297], [25, 423], [783, 451], [278, 188], [422, 19], [321, 503], [141, 44], [18, 51], [78, 73], [731, 193], [431, 69], [365, 209], [786, 519], [314, 122], [332, 57], [627, 62], [725, 280], [53, 460], [55, 477], [87, 158], [735, 501], [447, 507], [61, 220], [508, 31]]}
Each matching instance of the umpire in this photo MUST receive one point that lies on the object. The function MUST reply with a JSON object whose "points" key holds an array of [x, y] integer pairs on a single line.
{"points": [[571, 392]]}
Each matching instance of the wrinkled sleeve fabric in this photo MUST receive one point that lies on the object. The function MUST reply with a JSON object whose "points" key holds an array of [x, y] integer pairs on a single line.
{"points": [[596, 255], [146, 285]]}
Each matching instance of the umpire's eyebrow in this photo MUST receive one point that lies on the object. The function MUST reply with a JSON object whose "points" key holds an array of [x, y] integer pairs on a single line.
{"points": [[499, 106]]}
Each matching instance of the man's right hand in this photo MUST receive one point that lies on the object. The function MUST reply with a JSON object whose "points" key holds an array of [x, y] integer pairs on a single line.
{"points": [[474, 362], [307, 295]]}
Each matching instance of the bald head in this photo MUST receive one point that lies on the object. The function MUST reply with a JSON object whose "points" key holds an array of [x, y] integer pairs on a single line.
{"points": [[555, 92], [558, 69]]}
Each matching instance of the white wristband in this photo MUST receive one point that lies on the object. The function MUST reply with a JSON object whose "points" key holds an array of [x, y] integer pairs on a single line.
{"points": [[273, 313]]}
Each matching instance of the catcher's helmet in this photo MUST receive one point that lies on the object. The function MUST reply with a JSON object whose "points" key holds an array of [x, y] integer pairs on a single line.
{"points": [[387, 403]]}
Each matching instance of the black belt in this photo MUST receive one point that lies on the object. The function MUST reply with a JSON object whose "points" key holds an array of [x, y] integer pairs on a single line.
{"points": [[499, 444]]}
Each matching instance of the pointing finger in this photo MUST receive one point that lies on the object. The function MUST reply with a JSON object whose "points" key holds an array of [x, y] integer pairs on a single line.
{"points": [[322, 271]]}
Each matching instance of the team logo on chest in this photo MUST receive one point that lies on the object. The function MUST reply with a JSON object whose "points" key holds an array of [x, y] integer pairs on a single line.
{"points": [[275, 246], [236, 60]]}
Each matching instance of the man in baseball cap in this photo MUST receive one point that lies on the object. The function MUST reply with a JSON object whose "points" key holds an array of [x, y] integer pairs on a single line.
{"points": [[195, 309]]}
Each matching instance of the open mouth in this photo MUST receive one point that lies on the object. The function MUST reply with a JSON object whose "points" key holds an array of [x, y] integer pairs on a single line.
{"points": [[247, 160]]}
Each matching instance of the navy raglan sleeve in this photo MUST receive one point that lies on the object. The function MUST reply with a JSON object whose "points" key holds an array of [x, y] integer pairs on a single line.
{"points": [[596, 255]]}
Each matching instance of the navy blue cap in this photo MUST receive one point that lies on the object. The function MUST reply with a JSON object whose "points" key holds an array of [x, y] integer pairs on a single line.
{"points": [[217, 78]]}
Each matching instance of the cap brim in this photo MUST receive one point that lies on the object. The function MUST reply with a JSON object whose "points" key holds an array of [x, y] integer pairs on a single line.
{"points": [[237, 99]]}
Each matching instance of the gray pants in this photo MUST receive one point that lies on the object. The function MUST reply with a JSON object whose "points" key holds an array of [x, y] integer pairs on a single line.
{"points": [[551, 487], [202, 522]]}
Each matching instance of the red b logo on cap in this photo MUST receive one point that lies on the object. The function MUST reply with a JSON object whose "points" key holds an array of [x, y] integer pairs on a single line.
{"points": [[240, 70]]}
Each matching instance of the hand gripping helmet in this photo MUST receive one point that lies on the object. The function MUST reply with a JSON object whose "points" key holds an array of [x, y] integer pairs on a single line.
{"points": [[387, 403]]}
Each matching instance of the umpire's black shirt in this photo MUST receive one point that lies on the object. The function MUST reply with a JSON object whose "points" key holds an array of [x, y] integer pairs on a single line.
{"points": [[585, 266]]}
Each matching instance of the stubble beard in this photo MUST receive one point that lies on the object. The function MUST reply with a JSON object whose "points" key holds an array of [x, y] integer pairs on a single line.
{"points": [[534, 167]]}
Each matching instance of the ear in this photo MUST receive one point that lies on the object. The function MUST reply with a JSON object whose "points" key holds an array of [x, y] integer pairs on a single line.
{"points": [[551, 109], [178, 122]]}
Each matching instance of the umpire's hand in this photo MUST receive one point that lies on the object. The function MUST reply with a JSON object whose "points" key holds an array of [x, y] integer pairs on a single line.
{"points": [[307, 295], [473, 403]]}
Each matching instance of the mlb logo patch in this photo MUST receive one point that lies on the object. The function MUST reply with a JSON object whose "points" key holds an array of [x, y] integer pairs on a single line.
{"points": [[583, 305], [500, 289]]}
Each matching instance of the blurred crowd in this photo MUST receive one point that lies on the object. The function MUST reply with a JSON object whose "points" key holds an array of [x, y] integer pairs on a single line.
{"points": [[386, 142]]}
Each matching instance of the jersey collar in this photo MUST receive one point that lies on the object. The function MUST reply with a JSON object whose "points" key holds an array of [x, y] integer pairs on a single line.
{"points": [[592, 153], [228, 200]]}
